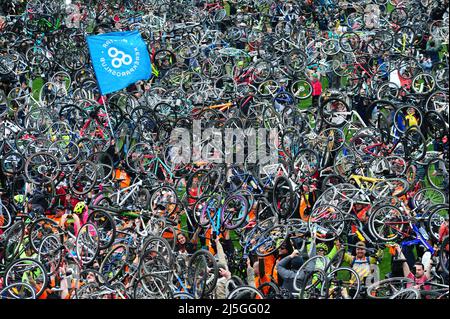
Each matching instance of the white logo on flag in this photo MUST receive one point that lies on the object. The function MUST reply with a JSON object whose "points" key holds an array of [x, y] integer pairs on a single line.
{"points": [[118, 61]]}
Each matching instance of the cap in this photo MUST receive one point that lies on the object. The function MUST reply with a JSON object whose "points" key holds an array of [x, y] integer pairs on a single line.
{"points": [[361, 244]]}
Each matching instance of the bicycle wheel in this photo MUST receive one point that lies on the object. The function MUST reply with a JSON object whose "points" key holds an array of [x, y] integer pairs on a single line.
{"points": [[423, 83], [388, 91], [270, 290], [314, 263], [283, 197], [83, 178], [336, 261], [192, 184], [408, 293], [385, 289], [67, 152], [343, 283], [314, 285], [330, 47], [106, 227], [105, 166], [114, 262], [390, 187], [437, 173], [414, 143], [13, 163], [271, 240], [349, 42], [305, 164], [155, 246], [331, 139], [42, 168], [202, 273], [387, 223], [245, 292], [234, 211], [19, 290], [29, 271], [435, 125], [87, 244], [438, 217], [327, 222], [182, 295], [398, 16], [50, 254], [425, 198], [152, 287], [140, 157], [88, 290], [335, 112], [210, 182], [380, 167], [13, 240], [301, 89], [41, 228], [440, 72]]}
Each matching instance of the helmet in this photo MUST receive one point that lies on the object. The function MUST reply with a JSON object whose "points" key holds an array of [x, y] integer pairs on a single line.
{"points": [[322, 246], [19, 199], [79, 208]]}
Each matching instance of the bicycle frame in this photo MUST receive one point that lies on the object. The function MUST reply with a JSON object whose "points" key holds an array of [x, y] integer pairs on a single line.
{"points": [[130, 190]]}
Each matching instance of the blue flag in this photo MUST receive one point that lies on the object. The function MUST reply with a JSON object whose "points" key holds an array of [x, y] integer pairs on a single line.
{"points": [[119, 59]]}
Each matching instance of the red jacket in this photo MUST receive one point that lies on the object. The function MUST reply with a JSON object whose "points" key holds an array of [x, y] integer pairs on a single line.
{"points": [[317, 88]]}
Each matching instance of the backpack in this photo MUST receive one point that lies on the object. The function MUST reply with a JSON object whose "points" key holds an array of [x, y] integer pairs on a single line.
{"points": [[354, 261]]}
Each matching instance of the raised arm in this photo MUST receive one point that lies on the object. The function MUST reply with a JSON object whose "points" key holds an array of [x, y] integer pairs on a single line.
{"points": [[406, 270], [221, 253], [194, 239], [250, 274], [282, 270]]}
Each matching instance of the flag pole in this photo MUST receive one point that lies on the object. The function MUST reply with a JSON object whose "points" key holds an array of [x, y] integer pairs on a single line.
{"points": [[107, 115]]}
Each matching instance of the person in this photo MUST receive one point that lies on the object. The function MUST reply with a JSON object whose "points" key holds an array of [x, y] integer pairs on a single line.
{"points": [[122, 176], [421, 273], [411, 117], [432, 49], [38, 204], [287, 270], [317, 89], [57, 214], [187, 247], [285, 250], [221, 290], [256, 275], [426, 63], [70, 222], [363, 265]]}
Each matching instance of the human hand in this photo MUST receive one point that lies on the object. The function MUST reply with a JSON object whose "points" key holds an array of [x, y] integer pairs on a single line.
{"points": [[379, 254], [337, 243], [295, 253]]}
